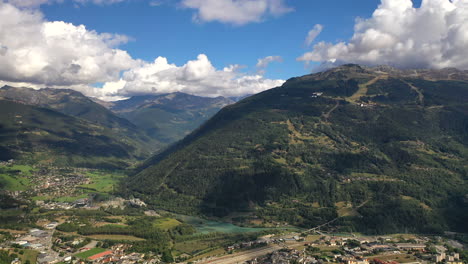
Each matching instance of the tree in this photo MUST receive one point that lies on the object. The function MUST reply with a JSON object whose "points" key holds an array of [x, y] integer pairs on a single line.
{"points": [[353, 243], [167, 257]]}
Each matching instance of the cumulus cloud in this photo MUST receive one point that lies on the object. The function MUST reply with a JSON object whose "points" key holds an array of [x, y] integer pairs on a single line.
{"points": [[313, 34], [28, 3], [56, 53], [198, 77], [237, 12], [37, 53], [435, 35]]}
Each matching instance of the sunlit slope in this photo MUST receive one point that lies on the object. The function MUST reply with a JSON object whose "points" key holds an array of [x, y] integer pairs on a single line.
{"points": [[73, 103], [384, 149], [38, 135]]}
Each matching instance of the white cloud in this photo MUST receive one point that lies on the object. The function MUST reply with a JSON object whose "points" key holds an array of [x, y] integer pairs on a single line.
{"points": [[198, 77], [434, 35], [313, 34], [38, 53], [28, 3], [56, 53], [37, 3], [237, 12], [263, 63]]}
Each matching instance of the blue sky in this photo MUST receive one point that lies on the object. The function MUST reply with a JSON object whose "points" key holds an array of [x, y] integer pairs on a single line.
{"points": [[115, 49], [168, 30]]}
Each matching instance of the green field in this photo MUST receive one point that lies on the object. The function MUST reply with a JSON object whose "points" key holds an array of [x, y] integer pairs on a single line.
{"points": [[90, 253], [26, 170], [102, 182], [166, 223], [70, 199], [41, 198], [14, 183], [196, 246], [30, 255], [14, 178]]}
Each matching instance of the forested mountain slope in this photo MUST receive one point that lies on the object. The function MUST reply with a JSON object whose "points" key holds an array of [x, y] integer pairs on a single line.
{"points": [[168, 118], [75, 104], [383, 149], [37, 135], [66, 101]]}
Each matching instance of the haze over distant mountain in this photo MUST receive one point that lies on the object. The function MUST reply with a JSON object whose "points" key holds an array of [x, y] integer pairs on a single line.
{"points": [[68, 102], [140, 125], [385, 150], [84, 133], [169, 117]]}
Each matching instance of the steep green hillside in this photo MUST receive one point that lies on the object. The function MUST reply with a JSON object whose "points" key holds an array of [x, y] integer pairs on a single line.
{"points": [[169, 117], [40, 135], [75, 104], [384, 150]]}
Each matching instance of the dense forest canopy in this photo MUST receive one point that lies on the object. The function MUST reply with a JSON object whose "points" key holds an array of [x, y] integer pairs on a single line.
{"points": [[384, 151]]}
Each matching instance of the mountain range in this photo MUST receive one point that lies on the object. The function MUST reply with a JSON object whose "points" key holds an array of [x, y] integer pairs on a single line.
{"points": [[169, 117], [373, 149], [92, 133], [377, 150]]}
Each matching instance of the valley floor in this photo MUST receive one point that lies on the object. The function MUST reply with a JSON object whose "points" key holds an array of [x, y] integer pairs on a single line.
{"points": [[73, 216]]}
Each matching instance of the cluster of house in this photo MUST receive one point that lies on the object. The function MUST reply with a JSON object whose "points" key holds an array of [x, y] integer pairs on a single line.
{"points": [[56, 183], [36, 239], [53, 182], [295, 256], [453, 258], [70, 246], [135, 202], [285, 256], [317, 94], [7, 163], [47, 258], [249, 244], [90, 204], [80, 203], [368, 105], [356, 252], [262, 241], [54, 205], [117, 255], [368, 246]]}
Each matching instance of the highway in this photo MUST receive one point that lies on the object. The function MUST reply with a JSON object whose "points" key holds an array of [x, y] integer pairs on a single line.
{"points": [[243, 256]]}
